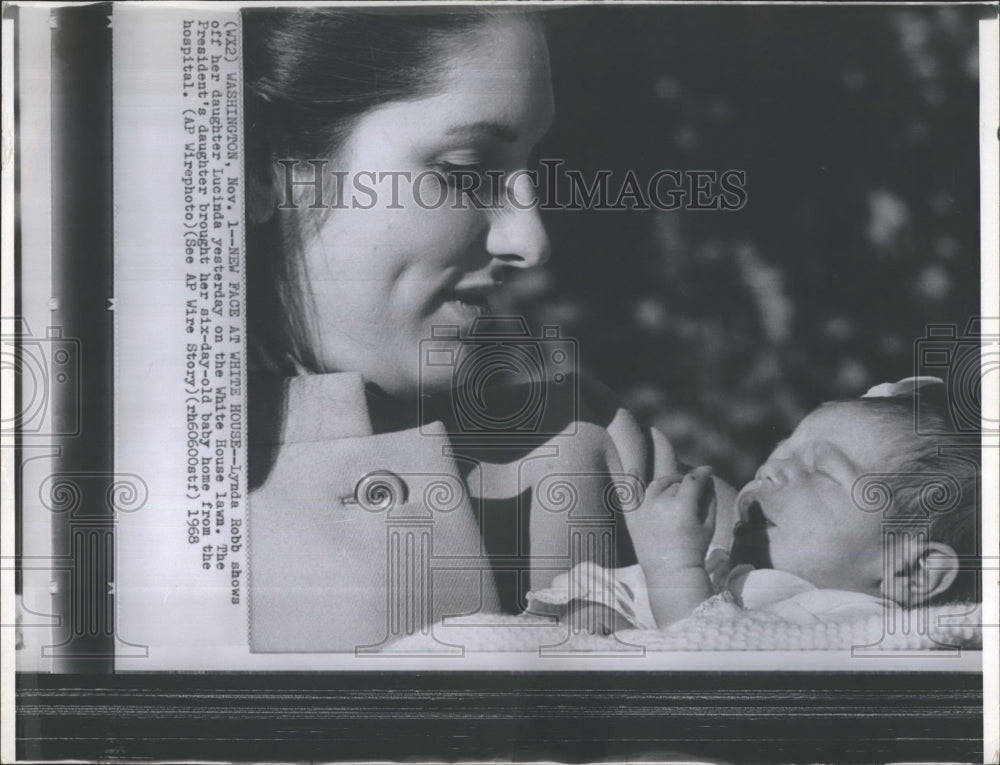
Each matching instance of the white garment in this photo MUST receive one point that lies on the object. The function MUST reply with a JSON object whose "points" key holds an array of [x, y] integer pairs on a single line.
{"points": [[796, 600], [621, 589], [624, 590]]}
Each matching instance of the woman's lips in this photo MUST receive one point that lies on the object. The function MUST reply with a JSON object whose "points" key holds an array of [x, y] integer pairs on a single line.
{"points": [[471, 300]]}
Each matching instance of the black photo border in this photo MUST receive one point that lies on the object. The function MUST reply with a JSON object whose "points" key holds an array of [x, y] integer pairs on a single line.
{"points": [[560, 716]]}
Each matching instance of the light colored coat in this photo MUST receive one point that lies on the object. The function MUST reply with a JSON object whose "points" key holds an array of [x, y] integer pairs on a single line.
{"points": [[358, 538]]}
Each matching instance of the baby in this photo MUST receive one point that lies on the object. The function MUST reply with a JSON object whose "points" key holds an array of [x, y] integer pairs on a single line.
{"points": [[855, 510]]}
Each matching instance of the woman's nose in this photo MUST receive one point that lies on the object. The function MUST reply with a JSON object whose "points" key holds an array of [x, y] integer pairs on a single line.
{"points": [[517, 236]]}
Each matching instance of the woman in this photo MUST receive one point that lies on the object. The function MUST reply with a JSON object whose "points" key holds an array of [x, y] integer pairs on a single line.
{"points": [[376, 508]]}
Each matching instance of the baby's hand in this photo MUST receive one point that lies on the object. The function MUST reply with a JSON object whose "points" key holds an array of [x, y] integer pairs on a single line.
{"points": [[675, 523]]}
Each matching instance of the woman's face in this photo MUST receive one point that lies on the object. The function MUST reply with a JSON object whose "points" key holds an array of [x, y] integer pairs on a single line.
{"points": [[376, 280]]}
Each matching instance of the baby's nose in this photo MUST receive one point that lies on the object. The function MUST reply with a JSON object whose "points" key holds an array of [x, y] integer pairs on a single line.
{"points": [[773, 471], [765, 472]]}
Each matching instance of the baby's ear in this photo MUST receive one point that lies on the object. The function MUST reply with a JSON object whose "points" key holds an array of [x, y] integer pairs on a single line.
{"points": [[921, 573]]}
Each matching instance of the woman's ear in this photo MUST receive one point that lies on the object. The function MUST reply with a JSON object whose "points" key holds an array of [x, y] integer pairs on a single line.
{"points": [[925, 573]]}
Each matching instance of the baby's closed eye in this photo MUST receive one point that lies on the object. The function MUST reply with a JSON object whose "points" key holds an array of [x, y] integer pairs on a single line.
{"points": [[829, 461]]}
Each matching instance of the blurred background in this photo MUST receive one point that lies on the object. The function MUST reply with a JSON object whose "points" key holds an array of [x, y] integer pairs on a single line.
{"points": [[857, 129]]}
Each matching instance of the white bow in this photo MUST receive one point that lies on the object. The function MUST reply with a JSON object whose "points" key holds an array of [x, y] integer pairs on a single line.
{"points": [[905, 387]]}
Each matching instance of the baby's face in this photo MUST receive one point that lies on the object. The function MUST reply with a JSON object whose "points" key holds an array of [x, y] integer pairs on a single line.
{"points": [[801, 500]]}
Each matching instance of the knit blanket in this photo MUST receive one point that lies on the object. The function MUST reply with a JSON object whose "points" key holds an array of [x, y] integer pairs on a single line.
{"points": [[719, 624]]}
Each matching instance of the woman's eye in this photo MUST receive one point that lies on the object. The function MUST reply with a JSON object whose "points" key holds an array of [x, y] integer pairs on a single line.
{"points": [[454, 164], [455, 172]]}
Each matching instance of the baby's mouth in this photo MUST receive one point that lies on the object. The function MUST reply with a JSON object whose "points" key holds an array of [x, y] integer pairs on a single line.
{"points": [[750, 508], [750, 542]]}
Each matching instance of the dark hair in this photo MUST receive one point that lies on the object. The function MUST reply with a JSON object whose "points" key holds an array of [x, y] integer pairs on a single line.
{"points": [[934, 480], [309, 74]]}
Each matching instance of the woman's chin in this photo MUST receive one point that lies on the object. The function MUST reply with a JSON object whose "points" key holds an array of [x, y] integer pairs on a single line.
{"points": [[436, 383]]}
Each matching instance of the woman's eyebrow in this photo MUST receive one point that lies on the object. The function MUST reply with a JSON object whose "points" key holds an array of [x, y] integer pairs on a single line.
{"points": [[484, 129]]}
